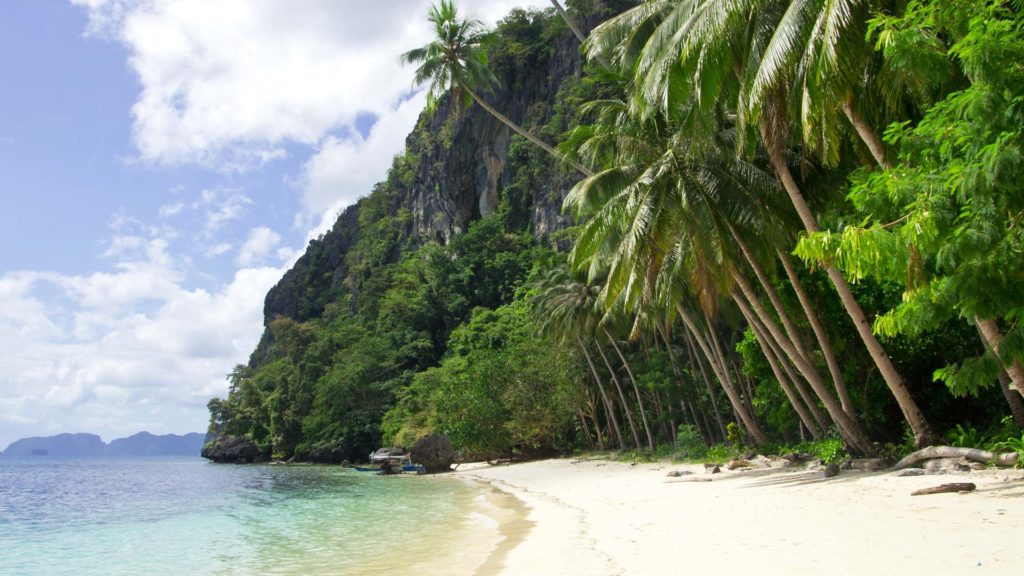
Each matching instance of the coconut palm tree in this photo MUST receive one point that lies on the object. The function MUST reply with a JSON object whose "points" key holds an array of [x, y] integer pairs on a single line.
{"points": [[698, 54], [566, 310], [455, 63]]}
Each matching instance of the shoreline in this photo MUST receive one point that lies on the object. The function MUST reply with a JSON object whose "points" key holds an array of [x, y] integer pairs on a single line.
{"points": [[604, 517]]}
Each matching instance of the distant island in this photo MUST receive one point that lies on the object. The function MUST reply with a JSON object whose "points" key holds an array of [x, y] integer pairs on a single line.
{"points": [[92, 446]]}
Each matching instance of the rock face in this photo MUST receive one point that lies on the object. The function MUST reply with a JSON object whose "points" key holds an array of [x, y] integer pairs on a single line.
{"points": [[435, 452], [232, 449], [455, 170]]}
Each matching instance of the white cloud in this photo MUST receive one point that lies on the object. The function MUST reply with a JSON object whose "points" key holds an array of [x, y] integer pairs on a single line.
{"points": [[169, 210], [342, 171], [222, 205], [218, 249], [227, 82], [144, 351], [260, 243]]}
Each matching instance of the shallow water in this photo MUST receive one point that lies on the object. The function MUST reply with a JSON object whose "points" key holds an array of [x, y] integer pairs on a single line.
{"points": [[187, 516]]}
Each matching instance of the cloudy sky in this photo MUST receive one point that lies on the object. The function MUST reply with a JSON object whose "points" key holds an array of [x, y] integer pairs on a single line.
{"points": [[162, 162]]}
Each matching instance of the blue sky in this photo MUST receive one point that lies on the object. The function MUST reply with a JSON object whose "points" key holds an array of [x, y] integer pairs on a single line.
{"points": [[162, 163]]}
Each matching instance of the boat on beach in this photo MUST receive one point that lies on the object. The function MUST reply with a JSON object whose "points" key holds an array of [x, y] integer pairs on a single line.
{"points": [[392, 461]]}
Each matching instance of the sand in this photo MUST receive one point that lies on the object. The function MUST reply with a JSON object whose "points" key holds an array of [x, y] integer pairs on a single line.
{"points": [[599, 517]]}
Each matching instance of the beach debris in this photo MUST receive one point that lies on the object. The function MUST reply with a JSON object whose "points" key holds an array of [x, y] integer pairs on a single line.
{"points": [[712, 469], [909, 472], [678, 473], [796, 458], [959, 487], [973, 454], [738, 463], [940, 464], [869, 464], [815, 464], [831, 470]]}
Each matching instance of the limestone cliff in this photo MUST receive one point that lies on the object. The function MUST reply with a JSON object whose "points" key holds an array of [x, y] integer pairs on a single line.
{"points": [[458, 167]]}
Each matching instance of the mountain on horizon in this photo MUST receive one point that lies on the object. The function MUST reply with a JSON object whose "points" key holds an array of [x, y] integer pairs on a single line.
{"points": [[92, 446]]}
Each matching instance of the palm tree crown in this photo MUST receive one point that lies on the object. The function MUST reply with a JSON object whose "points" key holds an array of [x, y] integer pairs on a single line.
{"points": [[455, 60]]}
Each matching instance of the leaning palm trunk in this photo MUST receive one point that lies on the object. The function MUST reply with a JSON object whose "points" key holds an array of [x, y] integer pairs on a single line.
{"points": [[1012, 398], [867, 134], [773, 347], [576, 31], [622, 397], [723, 377], [604, 396], [636, 389], [848, 427], [993, 339], [773, 296], [923, 434], [696, 358], [819, 332], [769, 354], [522, 132]]}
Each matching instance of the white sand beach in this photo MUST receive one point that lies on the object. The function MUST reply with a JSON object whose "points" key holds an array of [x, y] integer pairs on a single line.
{"points": [[597, 517]]}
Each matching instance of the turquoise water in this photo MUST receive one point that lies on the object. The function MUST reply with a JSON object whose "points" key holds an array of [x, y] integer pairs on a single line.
{"points": [[187, 516]]}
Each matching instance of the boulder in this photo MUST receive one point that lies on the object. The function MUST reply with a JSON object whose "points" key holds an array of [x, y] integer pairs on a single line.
{"points": [[435, 452], [232, 449], [678, 473], [738, 463], [712, 469], [831, 470]]}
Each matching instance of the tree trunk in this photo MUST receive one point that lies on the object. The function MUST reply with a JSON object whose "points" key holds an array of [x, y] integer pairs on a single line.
{"points": [[773, 296], [848, 427], [604, 396], [993, 338], [1012, 398], [923, 433], [983, 456], [798, 406], [696, 358], [636, 389], [622, 398], [576, 30], [819, 332], [522, 132], [723, 377], [867, 133]]}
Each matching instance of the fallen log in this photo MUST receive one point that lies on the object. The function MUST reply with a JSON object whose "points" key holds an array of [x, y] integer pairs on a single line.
{"points": [[984, 456], [944, 488]]}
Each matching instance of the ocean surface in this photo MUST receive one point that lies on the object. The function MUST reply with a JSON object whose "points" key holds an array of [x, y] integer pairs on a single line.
{"points": [[187, 517]]}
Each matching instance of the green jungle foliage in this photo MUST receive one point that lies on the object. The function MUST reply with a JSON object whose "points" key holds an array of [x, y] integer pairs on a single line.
{"points": [[671, 320]]}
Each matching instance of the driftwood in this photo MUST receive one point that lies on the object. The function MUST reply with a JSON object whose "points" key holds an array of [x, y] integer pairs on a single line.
{"points": [[944, 488], [984, 456]]}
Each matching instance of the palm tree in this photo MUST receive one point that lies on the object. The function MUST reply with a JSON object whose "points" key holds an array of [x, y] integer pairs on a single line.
{"points": [[455, 63], [566, 310], [699, 54]]}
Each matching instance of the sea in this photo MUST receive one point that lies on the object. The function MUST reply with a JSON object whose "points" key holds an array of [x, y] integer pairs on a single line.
{"points": [[187, 516]]}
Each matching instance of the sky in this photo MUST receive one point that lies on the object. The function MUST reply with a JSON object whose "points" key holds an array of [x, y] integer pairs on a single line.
{"points": [[162, 164]]}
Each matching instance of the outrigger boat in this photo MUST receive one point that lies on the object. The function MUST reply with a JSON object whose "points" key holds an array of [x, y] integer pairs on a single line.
{"points": [[391, 461]]}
